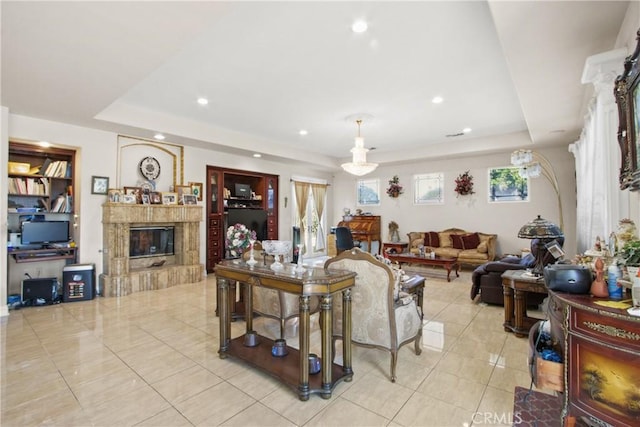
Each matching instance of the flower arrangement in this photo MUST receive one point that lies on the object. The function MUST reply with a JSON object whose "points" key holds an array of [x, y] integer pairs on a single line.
{"points": [[395, 188], [239, 238], [464, 184]]}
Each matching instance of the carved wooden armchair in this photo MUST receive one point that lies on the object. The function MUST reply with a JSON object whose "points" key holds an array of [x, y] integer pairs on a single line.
{"points": [[381, 316], [278, 305]]}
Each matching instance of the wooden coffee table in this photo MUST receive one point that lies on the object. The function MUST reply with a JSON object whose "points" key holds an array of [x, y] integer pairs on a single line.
{"points": [[447, 263]]}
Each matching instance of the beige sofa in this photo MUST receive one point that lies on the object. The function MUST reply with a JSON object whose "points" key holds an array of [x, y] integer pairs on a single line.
{"points": [[468, 247]]}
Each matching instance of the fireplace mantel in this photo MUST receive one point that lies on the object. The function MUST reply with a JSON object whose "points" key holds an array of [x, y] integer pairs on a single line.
{"points": [[121, 277]]}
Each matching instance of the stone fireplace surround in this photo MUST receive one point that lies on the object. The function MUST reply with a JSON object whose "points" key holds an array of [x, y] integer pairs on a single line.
{"points": [[122, 276]]}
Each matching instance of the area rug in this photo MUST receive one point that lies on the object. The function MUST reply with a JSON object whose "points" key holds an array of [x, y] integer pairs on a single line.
{"points": [[536, 409]]}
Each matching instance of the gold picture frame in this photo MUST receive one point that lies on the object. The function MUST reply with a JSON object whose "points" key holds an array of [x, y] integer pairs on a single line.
{"points": [[135, 191], [169, 198], [196, 189], [182, 190]]}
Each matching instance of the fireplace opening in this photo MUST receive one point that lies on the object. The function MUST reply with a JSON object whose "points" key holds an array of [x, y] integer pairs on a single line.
{"points": [[150, 241]]}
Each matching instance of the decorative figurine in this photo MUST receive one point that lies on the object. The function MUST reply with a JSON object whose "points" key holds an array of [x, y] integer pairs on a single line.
{"points": [[599, 286]]}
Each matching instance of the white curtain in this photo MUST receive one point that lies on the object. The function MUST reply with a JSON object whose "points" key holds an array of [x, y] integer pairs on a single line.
{"points": [[597, 160]]}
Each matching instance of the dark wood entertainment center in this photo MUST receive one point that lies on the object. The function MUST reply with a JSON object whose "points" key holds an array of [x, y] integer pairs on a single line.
{"points": [[221, 199]]}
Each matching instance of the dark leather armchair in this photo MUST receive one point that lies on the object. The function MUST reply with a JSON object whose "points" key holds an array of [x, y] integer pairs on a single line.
{"points": [[486, 279]]}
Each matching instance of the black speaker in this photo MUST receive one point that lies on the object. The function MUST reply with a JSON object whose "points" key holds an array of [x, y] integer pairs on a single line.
{"points": [[42, 288]]}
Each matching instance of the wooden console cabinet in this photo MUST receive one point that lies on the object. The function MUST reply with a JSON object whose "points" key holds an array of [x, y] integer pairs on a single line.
{"points": [[601, 348], [221, 200]]}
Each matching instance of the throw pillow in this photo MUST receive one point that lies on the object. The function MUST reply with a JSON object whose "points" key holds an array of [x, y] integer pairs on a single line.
{"points": [[471, 241], [431, 238], [483, 248], [456, 241]]}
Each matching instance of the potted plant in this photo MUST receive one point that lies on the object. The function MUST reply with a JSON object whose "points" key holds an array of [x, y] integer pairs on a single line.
{"points": [[630, 255]]}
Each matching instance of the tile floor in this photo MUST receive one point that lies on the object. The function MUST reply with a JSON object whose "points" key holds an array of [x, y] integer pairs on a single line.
{"points": [[151, 359]]}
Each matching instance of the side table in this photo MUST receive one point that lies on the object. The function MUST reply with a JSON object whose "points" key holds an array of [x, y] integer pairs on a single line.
{"points": [[414, 285], [516, 284], [394, 247]]}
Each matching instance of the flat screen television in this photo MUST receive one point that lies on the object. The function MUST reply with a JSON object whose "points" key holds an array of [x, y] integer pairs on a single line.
{"points": [[254, 219], [44, 232], [242, 191]]}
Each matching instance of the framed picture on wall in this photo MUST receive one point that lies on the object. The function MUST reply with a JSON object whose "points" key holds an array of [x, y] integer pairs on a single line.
{"points": [[196, 189], [99, 185]]}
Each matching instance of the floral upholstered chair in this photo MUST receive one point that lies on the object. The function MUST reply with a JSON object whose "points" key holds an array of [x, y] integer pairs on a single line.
{"points": [[278, 305], [381, 315]]}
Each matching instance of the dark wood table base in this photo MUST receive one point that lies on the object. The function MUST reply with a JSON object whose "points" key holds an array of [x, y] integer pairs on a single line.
{"points": [[447, 263], [515, 285]]}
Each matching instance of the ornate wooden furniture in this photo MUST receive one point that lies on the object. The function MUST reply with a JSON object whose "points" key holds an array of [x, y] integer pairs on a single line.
{"points": [[601, 347], [516, 284], [381, 317], [627, 94], [394, 247], [444, 262], [223, 202], [364, 228], [292, 369]]}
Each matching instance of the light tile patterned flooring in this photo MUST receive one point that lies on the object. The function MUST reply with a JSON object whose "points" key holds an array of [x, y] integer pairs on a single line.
{"points": [[151, 359]]}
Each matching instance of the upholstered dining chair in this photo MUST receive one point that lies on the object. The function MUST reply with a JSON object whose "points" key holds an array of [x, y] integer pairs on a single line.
{"points": [[381, 315], [344, 239], [278, 305]]}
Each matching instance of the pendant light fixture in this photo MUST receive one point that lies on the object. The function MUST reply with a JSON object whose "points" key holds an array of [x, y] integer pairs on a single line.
{"points": [[359, 165]]}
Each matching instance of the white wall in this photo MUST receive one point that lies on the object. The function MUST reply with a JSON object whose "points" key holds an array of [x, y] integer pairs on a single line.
{"points": [[97, 155], [474, 212]]}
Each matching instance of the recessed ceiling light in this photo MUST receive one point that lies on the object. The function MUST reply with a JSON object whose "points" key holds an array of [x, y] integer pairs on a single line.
{"points": [[203, 101], [303, 132], [45, 144], [466, 130], [159, 136], [437, 100], [359, 26], [257, 155]]}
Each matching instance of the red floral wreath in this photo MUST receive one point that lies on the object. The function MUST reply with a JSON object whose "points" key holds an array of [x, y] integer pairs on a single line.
{"points": [[464, 184]]}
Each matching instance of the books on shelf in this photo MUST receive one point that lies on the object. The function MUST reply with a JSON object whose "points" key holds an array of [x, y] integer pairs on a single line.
{"points": [[57, 169], [29, 186], [62, 204]]}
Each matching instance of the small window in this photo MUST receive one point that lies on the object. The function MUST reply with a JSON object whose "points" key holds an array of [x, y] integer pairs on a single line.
{"points": [[507, 185], [428, 189], [368, 192]]}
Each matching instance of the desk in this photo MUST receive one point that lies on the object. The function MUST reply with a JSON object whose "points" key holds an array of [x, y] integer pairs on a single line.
{"points": [[447, 263], [415, 285], [293, 369], [516, 283]]}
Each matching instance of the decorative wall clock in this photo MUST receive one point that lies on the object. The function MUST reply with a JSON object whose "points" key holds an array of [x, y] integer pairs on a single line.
{"points": [[149, 167]]}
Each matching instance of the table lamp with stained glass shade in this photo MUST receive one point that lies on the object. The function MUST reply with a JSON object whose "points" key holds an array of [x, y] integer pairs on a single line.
{"points": [[545, 231]]}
